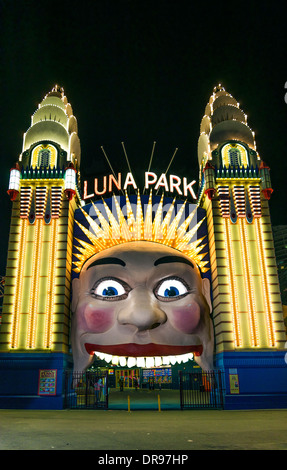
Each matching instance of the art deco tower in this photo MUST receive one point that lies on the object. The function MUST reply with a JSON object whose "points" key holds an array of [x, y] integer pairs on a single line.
{"points": [[43, 187], [234, 189]]}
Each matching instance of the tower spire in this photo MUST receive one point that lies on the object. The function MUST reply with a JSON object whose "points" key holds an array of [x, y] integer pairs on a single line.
{"points": [[235, 188], [44, 188], [228, 143], [54, 128]]}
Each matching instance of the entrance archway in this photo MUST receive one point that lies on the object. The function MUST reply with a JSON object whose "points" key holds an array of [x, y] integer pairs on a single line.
{"points": [[173, 387]]}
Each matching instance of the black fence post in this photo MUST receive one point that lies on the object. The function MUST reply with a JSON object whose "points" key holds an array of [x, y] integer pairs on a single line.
{"points": [[181, 390], [107, 390], [221, 388], [65, 388]]}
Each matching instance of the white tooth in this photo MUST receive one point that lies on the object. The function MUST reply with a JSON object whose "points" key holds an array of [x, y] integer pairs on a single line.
{"points": [[178, 359], [158, 361], [149, 361], [123, 361], [185, 357], [172, 359], [140, 362], [108, 357], [115, 360], [103, 356], [131, 361]]}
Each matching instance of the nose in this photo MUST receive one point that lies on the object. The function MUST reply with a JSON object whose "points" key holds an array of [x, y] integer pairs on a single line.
{"points": [[141, 310]]}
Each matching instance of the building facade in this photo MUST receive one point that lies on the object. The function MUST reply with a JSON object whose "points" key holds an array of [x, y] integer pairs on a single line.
{"points": [[36, 308], [248, 334], [247, 308]]}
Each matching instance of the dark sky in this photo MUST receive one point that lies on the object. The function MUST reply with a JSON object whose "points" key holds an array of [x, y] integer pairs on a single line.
{"points": [[142, 71]]}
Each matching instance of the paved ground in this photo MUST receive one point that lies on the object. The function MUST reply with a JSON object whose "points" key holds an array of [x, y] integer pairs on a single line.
{"points": [[119, 430]]}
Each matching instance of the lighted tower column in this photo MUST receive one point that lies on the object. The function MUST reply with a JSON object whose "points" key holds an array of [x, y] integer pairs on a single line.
{"points": [[247, 311], [43, 187]]}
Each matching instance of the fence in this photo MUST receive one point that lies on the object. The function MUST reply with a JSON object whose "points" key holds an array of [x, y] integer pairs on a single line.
{"points": [[86, 390], [201, 389], [196, 390]]}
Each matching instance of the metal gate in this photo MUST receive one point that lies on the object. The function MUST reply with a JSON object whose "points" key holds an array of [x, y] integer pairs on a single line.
{"points": [[201, 389], [86, 389]]}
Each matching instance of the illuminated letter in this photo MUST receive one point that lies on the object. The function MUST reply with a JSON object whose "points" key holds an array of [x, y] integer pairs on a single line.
{"points": [[147, 181], [86, 196], [113, 180], [188, 187], [162, 182], [104, 186], [130, 180], [174, 185]]}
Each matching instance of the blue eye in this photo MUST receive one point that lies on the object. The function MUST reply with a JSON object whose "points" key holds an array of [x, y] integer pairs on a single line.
{"points": [[171, 288], [109, 288], [171, 291], [110, 291]]}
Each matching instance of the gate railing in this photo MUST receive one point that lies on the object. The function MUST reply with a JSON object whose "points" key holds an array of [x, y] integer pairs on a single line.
{"points": [[85, 389], [197, 389], [201, 389]]}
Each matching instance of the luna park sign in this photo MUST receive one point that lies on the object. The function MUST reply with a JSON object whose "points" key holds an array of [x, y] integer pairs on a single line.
{"points": [[171, 183]]}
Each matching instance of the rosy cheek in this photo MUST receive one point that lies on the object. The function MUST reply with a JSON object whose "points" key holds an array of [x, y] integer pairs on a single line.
{"points": [[95, 319], [186, 318]]}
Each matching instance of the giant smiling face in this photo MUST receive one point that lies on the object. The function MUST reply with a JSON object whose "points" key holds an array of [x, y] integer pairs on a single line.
{"points": [[141, 299]]}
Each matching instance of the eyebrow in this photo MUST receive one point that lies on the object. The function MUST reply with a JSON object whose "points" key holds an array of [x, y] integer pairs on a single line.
{"points": [[107, 261], [173, 259]]}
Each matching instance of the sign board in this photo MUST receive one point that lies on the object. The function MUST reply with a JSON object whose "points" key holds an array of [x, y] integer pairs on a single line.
{"points": [[171, 183], [160, 375], [233, 382], [47, 382]]}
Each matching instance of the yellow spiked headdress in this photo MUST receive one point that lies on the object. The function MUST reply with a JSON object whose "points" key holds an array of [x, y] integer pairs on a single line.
{"points": [[112, 231]]}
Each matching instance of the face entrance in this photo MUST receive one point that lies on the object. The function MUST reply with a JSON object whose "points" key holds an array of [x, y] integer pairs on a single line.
{"points": [[140, 304], [141, 311]]}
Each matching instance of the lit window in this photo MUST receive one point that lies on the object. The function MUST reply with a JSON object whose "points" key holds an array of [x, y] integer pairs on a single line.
{"points": [[234, 154], [44, 157]]}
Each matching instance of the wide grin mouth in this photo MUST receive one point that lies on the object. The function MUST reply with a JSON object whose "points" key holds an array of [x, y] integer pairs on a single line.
{"points": [[143, 361], [132, 355]]}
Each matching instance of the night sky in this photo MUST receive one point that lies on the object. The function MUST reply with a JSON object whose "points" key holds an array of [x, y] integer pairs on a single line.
{"points": [[142, 71]]}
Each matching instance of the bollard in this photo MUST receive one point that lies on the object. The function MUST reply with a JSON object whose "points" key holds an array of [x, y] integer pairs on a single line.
{"points": [[158, 401], [129, 404]]}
